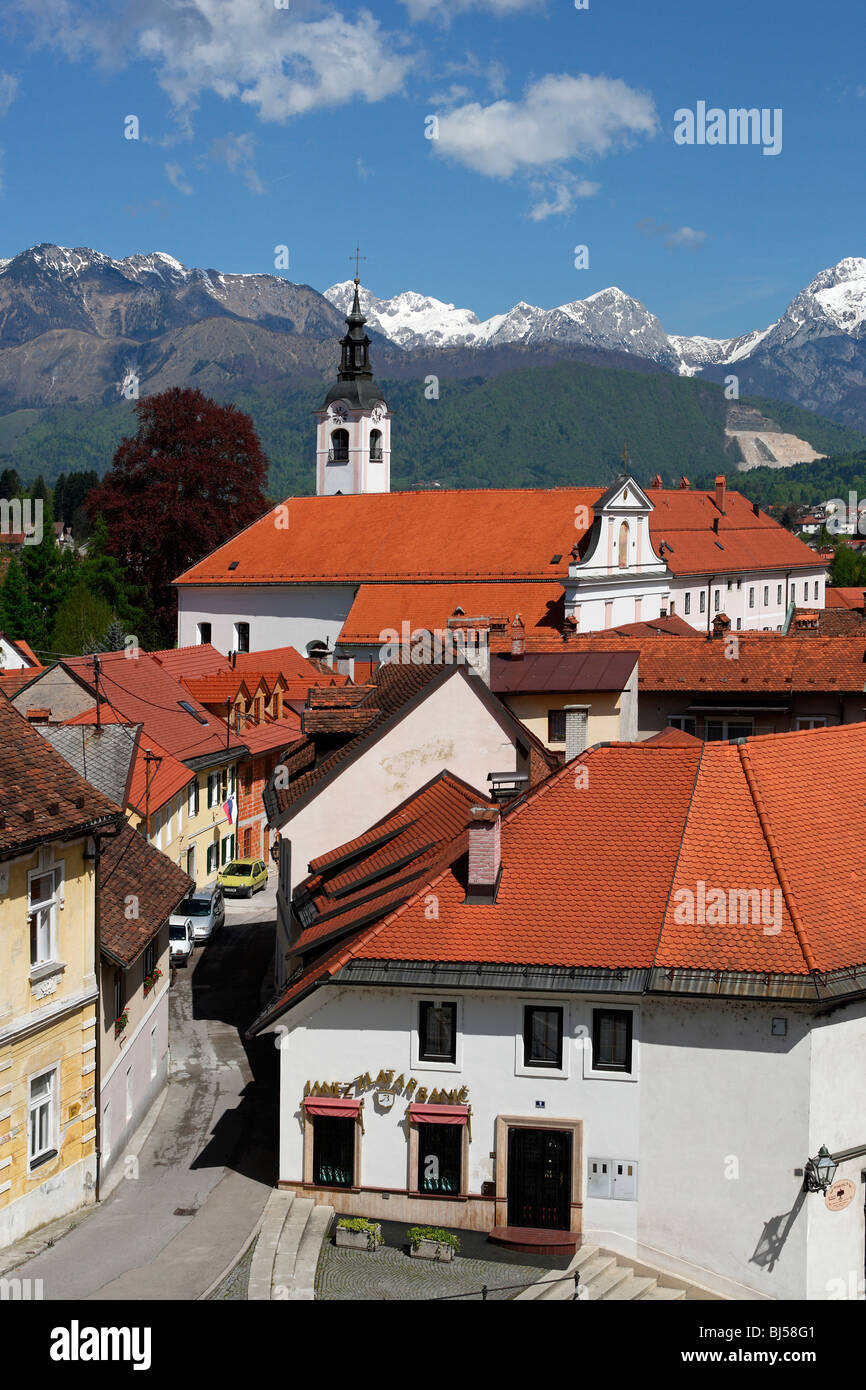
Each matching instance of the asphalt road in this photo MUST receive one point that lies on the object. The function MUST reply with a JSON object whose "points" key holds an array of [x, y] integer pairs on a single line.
{"points": [[213, 1150]]}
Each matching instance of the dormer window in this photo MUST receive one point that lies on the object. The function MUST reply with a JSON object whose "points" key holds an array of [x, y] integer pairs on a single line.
{"points": [[375, 446], [339, 451]]}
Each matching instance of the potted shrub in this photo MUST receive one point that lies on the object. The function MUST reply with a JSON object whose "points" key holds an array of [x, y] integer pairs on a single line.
{"points": [[120, 1023], [357, 1233], [432, 1243]]}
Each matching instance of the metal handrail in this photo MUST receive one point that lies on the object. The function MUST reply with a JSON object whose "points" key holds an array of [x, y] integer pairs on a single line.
{"points": [[506, 1288]]}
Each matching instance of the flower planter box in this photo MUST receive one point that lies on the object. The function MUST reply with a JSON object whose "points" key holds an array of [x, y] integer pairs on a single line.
{"points": [[356, 1240], [432, 1250]]}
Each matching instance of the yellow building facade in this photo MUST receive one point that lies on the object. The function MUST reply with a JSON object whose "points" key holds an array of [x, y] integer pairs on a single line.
{"points": [[48, 1044]]}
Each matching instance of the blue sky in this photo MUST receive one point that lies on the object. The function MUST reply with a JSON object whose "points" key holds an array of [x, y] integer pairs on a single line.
{"points": [[304, 126]]}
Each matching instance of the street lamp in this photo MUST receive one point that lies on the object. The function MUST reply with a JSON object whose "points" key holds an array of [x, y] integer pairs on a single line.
{"points": [[820, 1171]]}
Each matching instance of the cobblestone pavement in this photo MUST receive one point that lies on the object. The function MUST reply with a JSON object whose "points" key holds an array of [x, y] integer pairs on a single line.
{"points": [[391, 1275], [234, 1287]]}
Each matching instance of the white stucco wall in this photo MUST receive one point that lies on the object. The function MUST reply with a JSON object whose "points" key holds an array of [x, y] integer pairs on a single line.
{"points": [[838, 1119], [279, 615], [351, 1031], [450, 729], [718, 1113], [734, 594]]}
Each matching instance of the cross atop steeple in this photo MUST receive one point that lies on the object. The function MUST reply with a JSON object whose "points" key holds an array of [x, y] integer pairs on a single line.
{"points": [[356, 257]]}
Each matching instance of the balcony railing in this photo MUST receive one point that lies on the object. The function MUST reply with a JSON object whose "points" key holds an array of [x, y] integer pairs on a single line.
{"points": [[338, 456]]}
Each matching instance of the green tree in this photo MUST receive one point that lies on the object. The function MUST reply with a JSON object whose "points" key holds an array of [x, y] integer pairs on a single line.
{"points": [[82, 618], [47, 575], [18, 615], [10, 484]]}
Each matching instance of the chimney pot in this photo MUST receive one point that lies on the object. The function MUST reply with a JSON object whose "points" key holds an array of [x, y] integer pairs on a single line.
{"points": [[684, 483], [518, 638], [721, 485], [657, 481]]}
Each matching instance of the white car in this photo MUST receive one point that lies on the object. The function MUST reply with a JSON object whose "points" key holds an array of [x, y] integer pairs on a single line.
{"points": [[180, 942]]}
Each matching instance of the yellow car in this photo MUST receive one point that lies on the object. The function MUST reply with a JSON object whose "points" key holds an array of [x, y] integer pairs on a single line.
{"points": [[243, 877]]}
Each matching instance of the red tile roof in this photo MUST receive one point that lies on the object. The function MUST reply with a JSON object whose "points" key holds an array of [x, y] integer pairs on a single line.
{"points": [[453, 535], [668, 824], [844, 597], [764, 661], [13, 681], [42, 797], [200, 660], [131, 867], [675, 626], [274, 735], [382, 868], [143, 691], [214, 689], [152, 783], [378, 607]]}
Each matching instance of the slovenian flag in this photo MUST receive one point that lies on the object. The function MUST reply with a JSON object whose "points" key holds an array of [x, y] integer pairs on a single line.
{"points": [[229, 808]]}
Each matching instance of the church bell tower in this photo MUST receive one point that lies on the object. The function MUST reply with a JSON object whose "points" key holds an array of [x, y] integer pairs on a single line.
{"points": [[353, 436]]}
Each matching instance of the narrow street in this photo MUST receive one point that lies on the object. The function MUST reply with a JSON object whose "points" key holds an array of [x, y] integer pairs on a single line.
{"points": [[211, 1154]]}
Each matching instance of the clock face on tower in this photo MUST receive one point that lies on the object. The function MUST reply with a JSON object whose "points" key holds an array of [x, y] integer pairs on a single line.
{"points": [[338, 414], [378, 412]]}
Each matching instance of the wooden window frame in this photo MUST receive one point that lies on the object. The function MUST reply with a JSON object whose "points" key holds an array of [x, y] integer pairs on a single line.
{"points": [[627, 1067], [537, 1007]]}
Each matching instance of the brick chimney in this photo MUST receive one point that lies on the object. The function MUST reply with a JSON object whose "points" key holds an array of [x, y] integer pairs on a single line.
{"points": [[684, 483], [721, 625], [518, 639], [485, 854], [657, 481], [721, 485], [576, 722]]}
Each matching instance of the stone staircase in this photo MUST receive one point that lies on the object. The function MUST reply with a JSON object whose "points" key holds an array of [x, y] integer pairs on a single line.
{"points": [[604, 1275], [288, 1248]]}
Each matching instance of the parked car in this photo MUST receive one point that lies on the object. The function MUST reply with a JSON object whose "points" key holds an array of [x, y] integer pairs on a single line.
{"points": [[243, 877], [180, 942], [205, 908]]}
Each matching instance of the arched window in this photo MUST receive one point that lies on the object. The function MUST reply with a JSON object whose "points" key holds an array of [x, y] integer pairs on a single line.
{"points": [[623, 545], [339, 451], [375, 446]]}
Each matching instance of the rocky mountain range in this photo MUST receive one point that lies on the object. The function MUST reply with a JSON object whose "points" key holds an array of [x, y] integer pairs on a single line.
{"points": [[814, 355], [76, 325]]}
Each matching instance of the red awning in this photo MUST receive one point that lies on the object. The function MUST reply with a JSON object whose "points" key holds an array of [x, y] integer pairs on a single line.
{"points": [[339, 1107], [439, 1114]]}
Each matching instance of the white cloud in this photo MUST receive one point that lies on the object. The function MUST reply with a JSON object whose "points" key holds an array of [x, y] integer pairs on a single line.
{"points": [[237, 153], [674, 237], [176, 177], [444, 9], [560, 118], [559, 194], [269, 58], [687, 237], [8, 91]]}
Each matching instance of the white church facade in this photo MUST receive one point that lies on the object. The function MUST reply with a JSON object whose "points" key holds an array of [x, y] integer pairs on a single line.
{"points": [[619, 555]]}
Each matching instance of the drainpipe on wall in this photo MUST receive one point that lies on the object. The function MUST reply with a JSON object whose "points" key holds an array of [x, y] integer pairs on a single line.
{"points": [[710, 582], [97, 971]]}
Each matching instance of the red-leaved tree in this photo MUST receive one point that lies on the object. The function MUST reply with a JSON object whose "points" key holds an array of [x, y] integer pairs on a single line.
{"points": [[190, 479]]}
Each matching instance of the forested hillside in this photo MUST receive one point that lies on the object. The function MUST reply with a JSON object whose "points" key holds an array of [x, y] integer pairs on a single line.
{"points": [[535, 426]]}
